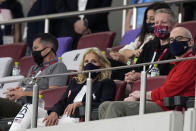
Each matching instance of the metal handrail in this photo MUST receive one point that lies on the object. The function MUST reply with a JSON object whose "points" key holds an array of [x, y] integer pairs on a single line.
{"points": [[104, 69], [90, 11]]}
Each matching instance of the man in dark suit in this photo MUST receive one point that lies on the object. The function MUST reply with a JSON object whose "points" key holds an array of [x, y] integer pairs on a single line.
{"points": [[77, 26]]}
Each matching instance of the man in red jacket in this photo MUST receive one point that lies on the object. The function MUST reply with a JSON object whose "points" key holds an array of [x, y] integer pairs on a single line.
{"points": [[180, 81]]}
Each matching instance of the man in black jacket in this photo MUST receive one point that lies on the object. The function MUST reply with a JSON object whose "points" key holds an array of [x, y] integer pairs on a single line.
{"points": [[77, 26], [157, 49]]}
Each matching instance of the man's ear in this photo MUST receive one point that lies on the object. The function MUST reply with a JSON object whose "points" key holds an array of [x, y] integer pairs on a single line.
{"points": [[191, 43]]}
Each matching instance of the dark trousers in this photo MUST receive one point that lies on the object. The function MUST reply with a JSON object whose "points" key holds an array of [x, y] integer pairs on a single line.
{"points": [[8, 108]]}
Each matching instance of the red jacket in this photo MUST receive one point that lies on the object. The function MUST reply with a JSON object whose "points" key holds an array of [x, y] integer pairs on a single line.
{"points": [[180, 81]]}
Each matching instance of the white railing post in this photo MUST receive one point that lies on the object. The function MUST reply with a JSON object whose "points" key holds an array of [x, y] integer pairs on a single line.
{"points": [[143, 91], [35, 104], [46, 25], [134, 18], [88, 99], [123, 18], [180, 13]]}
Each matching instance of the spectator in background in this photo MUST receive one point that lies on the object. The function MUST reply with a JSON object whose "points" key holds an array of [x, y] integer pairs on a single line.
{"points": [[147, 33], [189, 11], [180, 81], [16, 10], [103, 89], [140, 14], [158, 48], [44, 54], [83, 24], [40, 7]]}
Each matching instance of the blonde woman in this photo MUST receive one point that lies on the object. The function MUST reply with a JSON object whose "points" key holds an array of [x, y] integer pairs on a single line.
{"points": [[103, 89]]}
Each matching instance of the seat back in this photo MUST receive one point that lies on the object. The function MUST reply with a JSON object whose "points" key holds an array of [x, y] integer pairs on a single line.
{"points": [[152, 83], [15, 51], [25, 64], [101, 40], [64, 45], [130, 36], [190, 25], [120, 90], [52, 96], [5, 66], [72, 59]]}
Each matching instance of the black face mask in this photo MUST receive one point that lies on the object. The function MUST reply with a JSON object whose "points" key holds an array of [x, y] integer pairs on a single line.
{"points": [[38, 58], [177, 48], [91, 66], [150, 27]]}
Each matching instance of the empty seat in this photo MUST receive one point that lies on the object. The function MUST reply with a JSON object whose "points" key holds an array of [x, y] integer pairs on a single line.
{"points": [[15, 51], [130, 36], [101, 40], [5, 66], [52, 96], [25, 64], [64, 45]]}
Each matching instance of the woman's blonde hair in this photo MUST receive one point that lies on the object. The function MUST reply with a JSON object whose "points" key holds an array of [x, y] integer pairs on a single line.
{"points": [[81, 78]]}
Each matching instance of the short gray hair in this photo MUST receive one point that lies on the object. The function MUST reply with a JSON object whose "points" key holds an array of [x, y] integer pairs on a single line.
{"points": [[167, 11]]}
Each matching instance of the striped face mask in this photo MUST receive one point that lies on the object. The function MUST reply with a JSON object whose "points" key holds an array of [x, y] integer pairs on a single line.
{"points": [[161, 32]]}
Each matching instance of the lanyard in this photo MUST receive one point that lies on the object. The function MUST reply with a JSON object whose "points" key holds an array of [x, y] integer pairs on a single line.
{"points": [[161, 56], [43, 68]]}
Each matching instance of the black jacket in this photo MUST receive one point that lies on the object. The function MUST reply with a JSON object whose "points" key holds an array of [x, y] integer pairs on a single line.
{"points": [[101, 91], [147, 54], [96, 22]]}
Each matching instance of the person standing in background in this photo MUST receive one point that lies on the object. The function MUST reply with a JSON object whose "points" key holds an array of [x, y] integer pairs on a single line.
{"points": [[40, 7], [77, 26], [140, 14], [16, 11]]}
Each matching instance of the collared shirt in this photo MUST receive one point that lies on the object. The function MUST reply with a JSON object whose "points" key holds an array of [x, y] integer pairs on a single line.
{"points": [[81, 7], [45, 83], [180, 81]]}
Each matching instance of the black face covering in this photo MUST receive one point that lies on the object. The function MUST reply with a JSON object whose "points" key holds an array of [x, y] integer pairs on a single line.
{"points": [[150, 27], [91, 66], [38, 58]]}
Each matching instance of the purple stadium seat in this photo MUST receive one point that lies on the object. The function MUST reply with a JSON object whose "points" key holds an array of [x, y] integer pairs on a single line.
{"points": [[64, 44], [130, 36]]}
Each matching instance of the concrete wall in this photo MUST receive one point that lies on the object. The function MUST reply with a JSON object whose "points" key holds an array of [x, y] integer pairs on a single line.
{"points": [[115, 21]]}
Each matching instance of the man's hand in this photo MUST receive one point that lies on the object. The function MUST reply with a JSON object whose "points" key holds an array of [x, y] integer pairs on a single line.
{"points": [[132, 76], [80, 28], [135, 94], [15, 93], [130, 98], [71, 108], [51, 120]]}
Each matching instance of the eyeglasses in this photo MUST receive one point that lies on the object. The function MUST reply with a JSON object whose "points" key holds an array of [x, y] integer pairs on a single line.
{"points": [[179, 38]]}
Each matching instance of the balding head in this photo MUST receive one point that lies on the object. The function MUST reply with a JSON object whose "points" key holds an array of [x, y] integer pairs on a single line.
{"points": [[180, 31], [181, 41]]}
